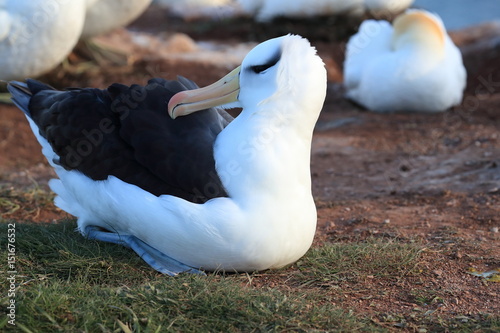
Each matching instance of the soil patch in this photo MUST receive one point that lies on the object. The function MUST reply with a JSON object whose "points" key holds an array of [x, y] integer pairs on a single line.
{"points": [[429, 178]]}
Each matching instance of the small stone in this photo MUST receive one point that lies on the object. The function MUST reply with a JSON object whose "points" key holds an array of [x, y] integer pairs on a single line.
{"points": [[494, 229], [387, 221], [493, 190], [181, 43], [451, 203], [438, 272]]}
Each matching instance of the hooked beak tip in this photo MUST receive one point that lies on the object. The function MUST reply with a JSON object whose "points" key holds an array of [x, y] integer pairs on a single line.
{"points": [[174, 102], [224, 91]]}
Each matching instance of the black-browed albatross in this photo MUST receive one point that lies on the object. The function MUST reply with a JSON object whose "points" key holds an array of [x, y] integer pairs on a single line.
{"points": [[198, 192]]}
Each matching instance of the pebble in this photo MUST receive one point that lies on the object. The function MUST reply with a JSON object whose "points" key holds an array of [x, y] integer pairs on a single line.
{"points": [[494, 229], [438, 272], [182, 43], [387, 221], [493, 190]]}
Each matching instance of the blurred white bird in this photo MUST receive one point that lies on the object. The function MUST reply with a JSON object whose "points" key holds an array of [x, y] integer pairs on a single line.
{"points": [[266, 10], [381, 8], [192, 9], [37, 35], [410, 66], [105, 15], [203, 3]]}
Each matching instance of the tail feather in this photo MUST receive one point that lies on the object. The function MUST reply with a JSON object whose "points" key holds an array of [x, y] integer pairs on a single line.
{"points": [[23, 91], [36, 86], [21, 95]]}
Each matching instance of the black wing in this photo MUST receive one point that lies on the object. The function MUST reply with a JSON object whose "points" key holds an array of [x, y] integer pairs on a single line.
{"points": [[126, 132]]}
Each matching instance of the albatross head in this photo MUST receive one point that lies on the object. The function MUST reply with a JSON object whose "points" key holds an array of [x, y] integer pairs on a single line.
{"points": [[419, 28], [285, 68]]}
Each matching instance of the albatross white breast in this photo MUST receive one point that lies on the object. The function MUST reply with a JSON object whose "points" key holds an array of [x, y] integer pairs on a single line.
{"points": [[200, 191], [410, 66]]}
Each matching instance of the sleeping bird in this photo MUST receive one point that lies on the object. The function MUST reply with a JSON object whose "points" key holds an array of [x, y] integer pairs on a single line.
{"points": [[411, 65]]}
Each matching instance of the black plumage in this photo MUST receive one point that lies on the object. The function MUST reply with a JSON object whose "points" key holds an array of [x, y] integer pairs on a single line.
{"points": [[126, 132]]}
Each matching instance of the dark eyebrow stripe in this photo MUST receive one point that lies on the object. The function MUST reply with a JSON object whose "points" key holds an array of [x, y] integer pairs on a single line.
{"points": [[271, 62]]}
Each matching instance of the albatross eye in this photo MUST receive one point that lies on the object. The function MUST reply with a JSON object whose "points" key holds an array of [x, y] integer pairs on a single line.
{"points": [[257, 69], [260, 68]]}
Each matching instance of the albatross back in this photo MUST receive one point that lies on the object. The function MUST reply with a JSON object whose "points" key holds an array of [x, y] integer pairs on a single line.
{"points": [[126, 132]]}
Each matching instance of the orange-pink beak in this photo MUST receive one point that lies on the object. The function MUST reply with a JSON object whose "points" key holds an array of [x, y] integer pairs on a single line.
{"points": [[224, 91]]}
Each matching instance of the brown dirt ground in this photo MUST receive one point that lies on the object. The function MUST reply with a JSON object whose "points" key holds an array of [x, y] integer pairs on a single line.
{"points": [[412, 177]]}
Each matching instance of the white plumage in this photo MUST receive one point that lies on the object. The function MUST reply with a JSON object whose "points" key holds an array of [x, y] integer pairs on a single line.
{"points": [[105, 15], [382, 8], [410, 66], [192, 3], [266, 10], [262, 157], [192, 9], [36, 35]]}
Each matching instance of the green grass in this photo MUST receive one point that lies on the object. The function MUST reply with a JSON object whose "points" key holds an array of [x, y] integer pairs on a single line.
{"points": [[358, 260], [189, 303], [66, 283], [5, 97]]}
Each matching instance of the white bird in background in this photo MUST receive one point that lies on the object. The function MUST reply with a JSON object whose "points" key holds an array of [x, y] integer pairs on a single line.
{"points": [[197, 192], [37, 35], [192, 3], [381, 8], [412, 65], [191, 9], [105, 15], [266, 10]]}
